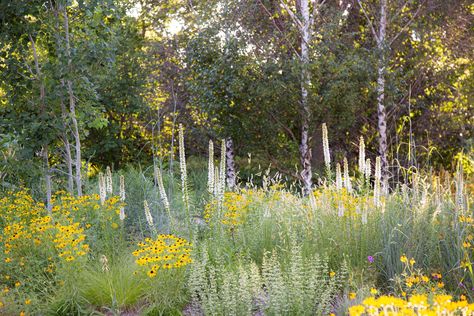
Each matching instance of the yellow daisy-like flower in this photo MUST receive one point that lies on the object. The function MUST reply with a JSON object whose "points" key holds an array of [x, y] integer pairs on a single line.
{"points": [[404, 259], [356, 310], [151, 273]]}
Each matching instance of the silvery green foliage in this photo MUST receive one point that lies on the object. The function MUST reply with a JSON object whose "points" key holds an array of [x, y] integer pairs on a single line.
{"points": [[293, 286]]}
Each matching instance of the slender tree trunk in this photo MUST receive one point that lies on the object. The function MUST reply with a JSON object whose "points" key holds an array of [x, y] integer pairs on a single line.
{"points": [[230, 174], [67, 148], [381, 113], [305, 150], [44, 151], [64, 112], [72, 109]]}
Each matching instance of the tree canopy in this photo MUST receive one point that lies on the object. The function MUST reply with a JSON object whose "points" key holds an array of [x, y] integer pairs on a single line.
{"points": [[128, 72]]}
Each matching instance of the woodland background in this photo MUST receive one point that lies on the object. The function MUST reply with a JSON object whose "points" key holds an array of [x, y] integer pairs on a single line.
{"points": [[89, 84]]}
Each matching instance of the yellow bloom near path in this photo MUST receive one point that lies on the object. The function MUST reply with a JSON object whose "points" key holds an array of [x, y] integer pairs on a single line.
{"points": [[415, 305]]}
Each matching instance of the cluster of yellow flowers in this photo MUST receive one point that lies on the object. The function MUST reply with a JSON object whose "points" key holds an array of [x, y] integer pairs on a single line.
{"points": [[235, 207], [86, 208], [350, 205], [415, 305], [414, 280], [69, 241], [165, 252], [26, 225], [468, 241]]}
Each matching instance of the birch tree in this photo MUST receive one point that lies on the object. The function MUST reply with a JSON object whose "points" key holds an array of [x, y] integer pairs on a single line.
{"points": [[45, 147], [304, 21], [72, 105], [383, 43]]}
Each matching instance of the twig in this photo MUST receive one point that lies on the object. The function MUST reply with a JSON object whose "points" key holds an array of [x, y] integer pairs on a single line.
{"points": [[408, 23], [369, 21]]}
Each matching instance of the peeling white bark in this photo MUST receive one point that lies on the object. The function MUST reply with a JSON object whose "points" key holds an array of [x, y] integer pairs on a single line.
{"points": [[305, 150], [230, 173], [72, 110], [381, 112]]}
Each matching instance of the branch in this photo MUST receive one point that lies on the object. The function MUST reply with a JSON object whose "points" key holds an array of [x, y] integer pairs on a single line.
{"points": [[368, 20], [276, 26], [286, 128], [408, 23], [315, 12], [293, 16], [277, 166]]}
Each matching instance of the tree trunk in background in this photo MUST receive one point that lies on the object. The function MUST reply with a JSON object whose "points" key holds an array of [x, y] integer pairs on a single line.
{"points": [[64, 112], [44, 151], [305, 150], [381, 113], [72, 109], [67, 148], [230, 173]]}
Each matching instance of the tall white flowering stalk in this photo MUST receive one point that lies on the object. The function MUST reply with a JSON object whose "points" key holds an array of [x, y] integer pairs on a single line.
{"points": [[161, 189], [184, 175], [210, 169], [222, 173], [347, 179], [108, 180], [216, 182], [148, 216], [338, 177], [122, 197], [378, 176], [327, 156], [368, 170], [361, 155], [460, 186], [102, 188]]}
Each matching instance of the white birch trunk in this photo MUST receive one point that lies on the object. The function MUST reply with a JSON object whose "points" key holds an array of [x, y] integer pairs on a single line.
{"points": [[44, 151], [230, 173], [67, 150], [381, 113], [72, 110], [64, 113], [305, 151]]}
